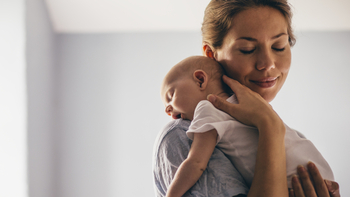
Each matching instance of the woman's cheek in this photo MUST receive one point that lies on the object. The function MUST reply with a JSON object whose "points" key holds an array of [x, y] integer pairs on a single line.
{"points": [[235, 64], [238, 68], [285, 61]]}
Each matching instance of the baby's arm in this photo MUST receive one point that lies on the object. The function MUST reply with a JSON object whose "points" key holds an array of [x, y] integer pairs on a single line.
{"points": [[196, 162]]}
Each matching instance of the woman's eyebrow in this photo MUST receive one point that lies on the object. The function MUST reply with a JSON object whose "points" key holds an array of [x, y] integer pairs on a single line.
{"points": [[255, 40], [279, 35], [247, 38]]}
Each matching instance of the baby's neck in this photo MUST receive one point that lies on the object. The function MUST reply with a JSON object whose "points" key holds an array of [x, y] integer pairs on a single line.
{"points": [[223, 95], [217, 90], [220, 93]]}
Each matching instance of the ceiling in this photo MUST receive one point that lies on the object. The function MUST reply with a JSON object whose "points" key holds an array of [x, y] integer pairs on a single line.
{"points": [[109, 16]]}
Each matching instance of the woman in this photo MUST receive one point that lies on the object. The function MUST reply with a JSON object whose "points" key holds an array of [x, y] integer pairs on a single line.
{"points": [[251, 39]]}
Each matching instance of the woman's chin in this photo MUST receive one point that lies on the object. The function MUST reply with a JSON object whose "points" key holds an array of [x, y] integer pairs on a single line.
{"points": [[268, 96], [269, 99], [267, 93]]}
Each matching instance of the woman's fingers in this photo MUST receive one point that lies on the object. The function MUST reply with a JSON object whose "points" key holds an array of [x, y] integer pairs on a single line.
{"points": [[319, 184], [233, 84], [291, 193], [324, 188], [306, 182], [221, 104], [297, 188], [304, 187]]}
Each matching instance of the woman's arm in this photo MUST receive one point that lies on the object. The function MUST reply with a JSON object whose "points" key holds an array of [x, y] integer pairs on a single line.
{"points": [[194, 165], [270, 169]]}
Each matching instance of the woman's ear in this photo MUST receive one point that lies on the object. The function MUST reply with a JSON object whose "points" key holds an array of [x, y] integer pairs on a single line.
{"points": [[208, 52], [201, 79]]}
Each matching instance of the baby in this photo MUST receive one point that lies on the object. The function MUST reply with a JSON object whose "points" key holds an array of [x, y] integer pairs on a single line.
{"points": [[184, 91]]}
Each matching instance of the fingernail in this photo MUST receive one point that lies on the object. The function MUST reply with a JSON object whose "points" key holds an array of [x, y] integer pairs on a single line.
{"points": [[295, 178], [291, 192], [311, 164], [211, 98], [301, 168]]}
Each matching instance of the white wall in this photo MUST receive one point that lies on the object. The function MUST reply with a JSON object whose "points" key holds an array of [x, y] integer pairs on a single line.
{"points": [[41, 99], [13, 171], [110, 110]]}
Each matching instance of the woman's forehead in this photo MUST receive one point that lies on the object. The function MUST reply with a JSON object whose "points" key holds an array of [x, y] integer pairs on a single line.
{"points": [[258, 23]]}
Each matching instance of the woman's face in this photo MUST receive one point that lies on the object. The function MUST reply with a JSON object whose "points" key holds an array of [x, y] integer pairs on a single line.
{"points": [[256, 51]]}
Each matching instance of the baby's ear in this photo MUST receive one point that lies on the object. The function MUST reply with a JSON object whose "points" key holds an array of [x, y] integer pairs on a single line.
{"points": [[201, 78]]}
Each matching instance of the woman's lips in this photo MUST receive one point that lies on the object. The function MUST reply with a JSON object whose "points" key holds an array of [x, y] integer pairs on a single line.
{"points": [[266, 82]]}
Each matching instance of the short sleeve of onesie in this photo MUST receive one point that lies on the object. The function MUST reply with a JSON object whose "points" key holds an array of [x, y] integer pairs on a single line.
{"points": [[207, 117]]}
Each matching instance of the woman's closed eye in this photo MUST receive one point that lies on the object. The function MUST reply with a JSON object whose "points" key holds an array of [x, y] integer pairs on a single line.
{"points": [[279, 49], [244, 51], [280, 46]]}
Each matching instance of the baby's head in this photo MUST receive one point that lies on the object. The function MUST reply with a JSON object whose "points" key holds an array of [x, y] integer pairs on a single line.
{"points": [[189, 82]]}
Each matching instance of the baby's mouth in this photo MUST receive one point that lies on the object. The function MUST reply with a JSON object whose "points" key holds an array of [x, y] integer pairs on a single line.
{"points": [[176, 116]]}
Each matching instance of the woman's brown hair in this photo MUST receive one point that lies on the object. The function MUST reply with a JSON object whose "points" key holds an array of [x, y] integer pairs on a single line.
{"points": [[219, 14]]}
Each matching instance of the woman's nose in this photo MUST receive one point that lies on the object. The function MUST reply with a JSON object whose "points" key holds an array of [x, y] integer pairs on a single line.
{"points": [[265, 60], [168, 110]]}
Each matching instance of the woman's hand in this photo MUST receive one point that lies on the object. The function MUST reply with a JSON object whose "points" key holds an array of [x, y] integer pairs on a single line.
{"points": [[251, 109], [304, 187]]}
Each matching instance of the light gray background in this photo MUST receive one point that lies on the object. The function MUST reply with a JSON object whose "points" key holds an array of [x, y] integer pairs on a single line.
{"points": [[94, 108], [13, 119]]}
